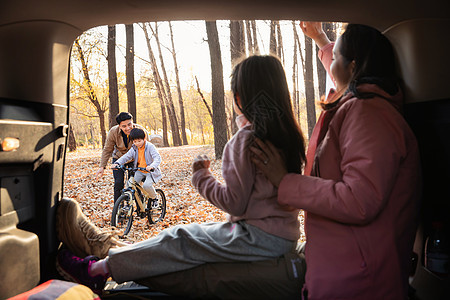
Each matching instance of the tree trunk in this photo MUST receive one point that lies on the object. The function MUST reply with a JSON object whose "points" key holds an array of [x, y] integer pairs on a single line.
{"points": [[280, 50], [309, 86], [273, 39], [249, 37], [157, 84], [302, 60], [295, 77], [237, 49], [180, 96], [218, 101], [330, 30], [72, 143], [237, 41], [91, 93], [170, 107], [297, 40], [129, 70], [255, 40], [112, 77]]}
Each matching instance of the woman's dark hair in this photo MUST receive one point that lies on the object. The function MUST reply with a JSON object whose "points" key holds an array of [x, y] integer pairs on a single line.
{"points": [[136, 134], [260, 82], [373, 55], [123, 116]]}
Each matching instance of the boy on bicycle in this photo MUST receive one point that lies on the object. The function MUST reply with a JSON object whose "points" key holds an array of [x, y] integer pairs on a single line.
{"points": [[145, 156]]}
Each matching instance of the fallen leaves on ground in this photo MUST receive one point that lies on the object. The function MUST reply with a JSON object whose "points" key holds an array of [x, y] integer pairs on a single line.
{"points": [[184, 204]]}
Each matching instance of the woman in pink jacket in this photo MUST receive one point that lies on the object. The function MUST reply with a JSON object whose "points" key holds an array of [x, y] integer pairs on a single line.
{"points": [[362, 197], [258, 228]]}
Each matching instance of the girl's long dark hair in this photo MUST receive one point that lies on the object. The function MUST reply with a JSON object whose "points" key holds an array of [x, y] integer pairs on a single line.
{"points": [[260, 82], [374, 58]]}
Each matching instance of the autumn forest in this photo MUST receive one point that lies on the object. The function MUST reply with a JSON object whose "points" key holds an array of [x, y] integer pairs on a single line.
{"points": [[137, 68]]}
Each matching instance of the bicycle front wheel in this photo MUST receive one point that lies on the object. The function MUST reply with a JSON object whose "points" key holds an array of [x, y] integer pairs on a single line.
{"points": [[122, 214], [157, 209]]}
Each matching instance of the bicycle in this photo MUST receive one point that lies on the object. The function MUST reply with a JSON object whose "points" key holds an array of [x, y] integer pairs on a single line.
{"points": [[134, 198]]}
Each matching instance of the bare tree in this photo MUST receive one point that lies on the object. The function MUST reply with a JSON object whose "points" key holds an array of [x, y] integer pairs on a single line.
{"points": [[72, 143], [112, 76], [237, 49], [237, 41], [279, 42], [309, 85], [295, 99], [250, 35], [218, 96], [180, 96], [157, 83], [272, 39], [129, 70], [276, 40], [91, 92], [170, 107], [203, 98], [248, 32], [255, 40], [302, 60]]}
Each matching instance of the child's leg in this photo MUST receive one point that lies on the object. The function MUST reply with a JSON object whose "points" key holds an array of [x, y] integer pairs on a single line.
{"points": [[148, 183], [139, 176], [148, 186], [186, 246], [99, 268], [80, 270]]}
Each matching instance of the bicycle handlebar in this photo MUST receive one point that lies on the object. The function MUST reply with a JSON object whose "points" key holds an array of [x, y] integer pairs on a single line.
{"points": [[124, 167]]}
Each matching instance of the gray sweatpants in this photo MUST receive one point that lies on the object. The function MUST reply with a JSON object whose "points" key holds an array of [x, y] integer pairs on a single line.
{"points": [[148, 183], [186, 246]]}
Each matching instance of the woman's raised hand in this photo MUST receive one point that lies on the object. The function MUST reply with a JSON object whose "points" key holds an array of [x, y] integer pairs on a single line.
{"points": [[201, 162], [268, 160], [315, 31]]}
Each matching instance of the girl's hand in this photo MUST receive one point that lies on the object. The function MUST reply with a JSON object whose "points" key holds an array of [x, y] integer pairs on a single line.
{"points": [[269, 161], [114, 166], [201, 162], [315, 31]]}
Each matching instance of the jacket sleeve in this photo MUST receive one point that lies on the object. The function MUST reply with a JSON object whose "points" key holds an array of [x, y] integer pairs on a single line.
{"points": [[326, 57], [238, 173], [108, 148], [155, 155], [126, 157], [372, 148]]}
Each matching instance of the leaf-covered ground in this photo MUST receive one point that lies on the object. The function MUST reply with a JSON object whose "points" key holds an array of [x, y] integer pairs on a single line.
{"points": [[184, 204]]}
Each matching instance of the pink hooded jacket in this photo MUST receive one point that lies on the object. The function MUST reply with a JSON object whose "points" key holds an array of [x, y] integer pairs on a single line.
{"points": [[247, 194], [362, 201]]}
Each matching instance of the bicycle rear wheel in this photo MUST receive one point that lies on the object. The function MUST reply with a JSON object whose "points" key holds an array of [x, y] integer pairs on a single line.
{"points": [[122, 214], [157, 209]]}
